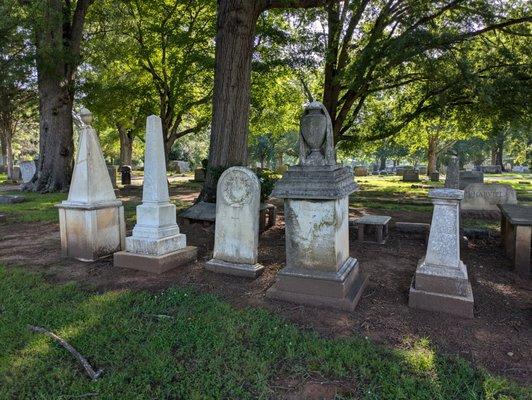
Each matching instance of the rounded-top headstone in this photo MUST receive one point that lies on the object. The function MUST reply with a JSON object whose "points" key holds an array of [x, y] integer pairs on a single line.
{"points": [[86, 116]]}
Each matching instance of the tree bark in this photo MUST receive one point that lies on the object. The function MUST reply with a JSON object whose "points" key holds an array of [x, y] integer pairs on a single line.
{"points": [[58, 33], [6, 138], [432, 154], [126, 145], [232, 86], [382, 166]]}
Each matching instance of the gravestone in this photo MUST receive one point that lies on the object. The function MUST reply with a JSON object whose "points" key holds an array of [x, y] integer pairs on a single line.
{"points": [[27, 170], [410, 175], [441, 282], [319, 270], [112, 170], [485, 197], [91, 219], [435, 177], [492, 169], [199, 175], [422, 169], [125, 174], [361, 171], [17, 173], [469, 177], [452, 174], [179, 166], [156, 244], [237, 224]]}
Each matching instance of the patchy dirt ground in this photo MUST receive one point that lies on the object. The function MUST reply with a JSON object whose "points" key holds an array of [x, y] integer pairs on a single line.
{"points": [[499, 338]]}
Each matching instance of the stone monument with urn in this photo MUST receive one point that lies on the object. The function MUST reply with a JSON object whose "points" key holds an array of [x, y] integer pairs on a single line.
{"points": [[319, 270], [91, 220]]}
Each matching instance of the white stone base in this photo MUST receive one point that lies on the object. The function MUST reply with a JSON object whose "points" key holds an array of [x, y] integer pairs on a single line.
{"points": [[224, 267], [156, 247], [91, 232]]}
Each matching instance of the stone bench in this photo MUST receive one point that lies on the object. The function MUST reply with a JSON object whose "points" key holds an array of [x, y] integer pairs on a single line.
{"points": [[516, 232], [379, 222]]}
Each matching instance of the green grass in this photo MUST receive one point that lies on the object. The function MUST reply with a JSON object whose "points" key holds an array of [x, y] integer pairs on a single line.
{"points": [[206, 349], [3, 178], [36, 208]]}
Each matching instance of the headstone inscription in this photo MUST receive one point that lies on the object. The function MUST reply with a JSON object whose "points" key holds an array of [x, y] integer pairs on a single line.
{"points": [[91, 219], [486, 197], [319, 270], [156, 244], [237, 224]]}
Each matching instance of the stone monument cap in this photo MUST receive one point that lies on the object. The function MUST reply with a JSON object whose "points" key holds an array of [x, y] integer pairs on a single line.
{"points": [[446, 193], [86, 116]]}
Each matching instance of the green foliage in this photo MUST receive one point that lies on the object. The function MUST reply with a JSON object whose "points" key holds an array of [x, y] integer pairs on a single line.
{"points": [[181, 344], [267, 179]]}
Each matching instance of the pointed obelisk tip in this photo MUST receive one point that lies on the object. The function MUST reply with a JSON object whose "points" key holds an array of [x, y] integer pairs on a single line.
{"points": [[155, 188], [86, 116]]}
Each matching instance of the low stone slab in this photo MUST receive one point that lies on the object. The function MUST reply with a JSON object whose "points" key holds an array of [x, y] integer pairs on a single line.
{"points": [[486, 197], [11, 199], [155, 264], [412, 227], [244, 270]]}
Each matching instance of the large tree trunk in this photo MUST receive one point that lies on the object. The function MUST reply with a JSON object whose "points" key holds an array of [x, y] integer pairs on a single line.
{"points": [[232, 86], [126, 145], [432, 154], [56, 148]]}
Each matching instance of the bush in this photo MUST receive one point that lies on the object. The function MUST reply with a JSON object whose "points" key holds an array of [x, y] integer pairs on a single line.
{"points": [[267, 180]]}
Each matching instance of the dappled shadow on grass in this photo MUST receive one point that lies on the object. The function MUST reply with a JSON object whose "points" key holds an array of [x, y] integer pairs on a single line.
{"points": [[181, 344]]}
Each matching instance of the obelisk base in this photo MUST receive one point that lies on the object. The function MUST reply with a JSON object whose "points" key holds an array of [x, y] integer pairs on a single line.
{"points": [[224, 267], [156, 264], [340, 290]]}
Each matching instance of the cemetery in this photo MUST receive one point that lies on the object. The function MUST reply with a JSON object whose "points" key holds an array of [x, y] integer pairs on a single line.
{"points": [[199, 201]]}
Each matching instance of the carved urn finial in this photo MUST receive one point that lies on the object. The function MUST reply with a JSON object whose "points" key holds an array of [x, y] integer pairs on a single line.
{"points": [[316, 136], [86, 116]]}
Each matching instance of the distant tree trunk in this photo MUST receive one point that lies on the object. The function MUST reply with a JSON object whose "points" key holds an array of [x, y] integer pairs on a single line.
{"points": [[497, 151], [58, 30], [126, 144], [432, 154], [6, 138], [382, 166]]}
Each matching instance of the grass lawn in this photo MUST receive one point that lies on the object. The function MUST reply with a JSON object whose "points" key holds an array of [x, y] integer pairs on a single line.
{"points": [[181, 344]]}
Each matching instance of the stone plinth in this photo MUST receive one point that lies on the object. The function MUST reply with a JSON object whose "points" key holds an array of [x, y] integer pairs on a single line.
{"points": [[91, 220], [441, 282], [156, 245], [91, 232], [237, 224], [319, 270]]}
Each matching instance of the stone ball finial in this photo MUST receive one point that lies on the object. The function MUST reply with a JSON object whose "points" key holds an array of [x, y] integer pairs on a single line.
{"points": [[86, 116]]}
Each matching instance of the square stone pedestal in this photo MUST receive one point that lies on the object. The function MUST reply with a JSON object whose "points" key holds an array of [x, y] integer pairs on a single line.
{"points": [[341, 290], [156, 263], [224, 267], [318, 269], [435, 288], [91, 232]]}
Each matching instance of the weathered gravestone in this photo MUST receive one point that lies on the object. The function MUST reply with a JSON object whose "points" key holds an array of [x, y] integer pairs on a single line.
{"points": [[361, 171], [410, 176], [156, 244], [17, 174], [27, 170], [91, 219], [125, 174], [434, 177], [112, 170], [452, 175], [200, 175], [441, 282], [422, 169], [319, 270], [485, 197], [179, 166], [492, 169], [469, 177], [236, 235]]}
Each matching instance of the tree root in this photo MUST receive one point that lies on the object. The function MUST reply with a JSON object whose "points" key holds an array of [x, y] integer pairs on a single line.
{"points": [[88, 368]]}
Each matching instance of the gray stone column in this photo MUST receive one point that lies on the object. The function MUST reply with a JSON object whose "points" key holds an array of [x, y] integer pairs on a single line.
{"points": [[441, 282]]}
